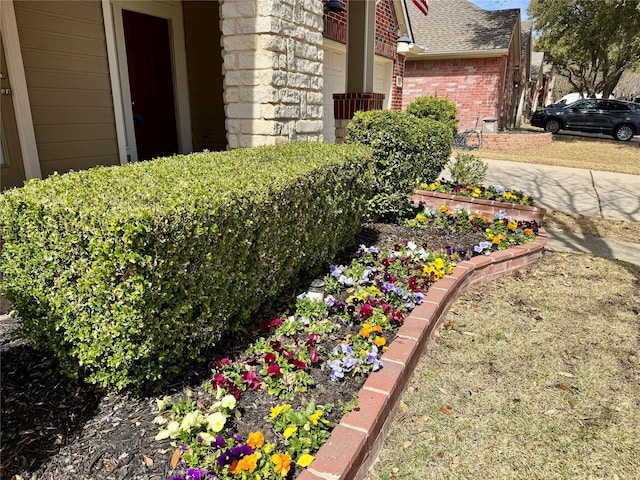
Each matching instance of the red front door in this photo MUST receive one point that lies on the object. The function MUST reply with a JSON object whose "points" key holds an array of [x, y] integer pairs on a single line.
{"points": [[151, 84]]}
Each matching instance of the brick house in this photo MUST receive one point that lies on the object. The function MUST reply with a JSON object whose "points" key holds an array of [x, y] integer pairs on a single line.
{"points": [[471, 56], [107, 82]]}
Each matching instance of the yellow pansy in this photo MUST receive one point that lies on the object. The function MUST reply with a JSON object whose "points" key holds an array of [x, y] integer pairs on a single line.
{"points": [[278, 409], [305, 460], [316, 416], [289, 431]]}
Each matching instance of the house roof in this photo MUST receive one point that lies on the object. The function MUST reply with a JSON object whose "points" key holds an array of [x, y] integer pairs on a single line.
{"points": [[526, 29], [460, 27]]}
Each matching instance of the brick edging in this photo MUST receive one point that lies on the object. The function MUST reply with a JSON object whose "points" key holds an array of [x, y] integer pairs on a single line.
{"points": [[488, 207], [356, 441]]}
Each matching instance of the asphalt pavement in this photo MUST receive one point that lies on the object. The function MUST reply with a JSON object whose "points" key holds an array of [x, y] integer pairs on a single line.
{"points": [[593, 193]]}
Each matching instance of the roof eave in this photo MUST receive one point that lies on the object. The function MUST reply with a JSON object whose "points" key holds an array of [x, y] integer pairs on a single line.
{"points": [[457, 55]]}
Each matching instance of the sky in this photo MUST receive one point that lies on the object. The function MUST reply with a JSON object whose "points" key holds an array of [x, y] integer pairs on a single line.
{"points": [[503, 4]]}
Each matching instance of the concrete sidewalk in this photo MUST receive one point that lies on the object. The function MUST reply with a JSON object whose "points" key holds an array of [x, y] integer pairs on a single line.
{"points": [[593, 193], [613, 196]]}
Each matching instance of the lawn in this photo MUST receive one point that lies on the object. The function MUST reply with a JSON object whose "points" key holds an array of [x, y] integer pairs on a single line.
{"points": [[579, 152], [531, 376]]}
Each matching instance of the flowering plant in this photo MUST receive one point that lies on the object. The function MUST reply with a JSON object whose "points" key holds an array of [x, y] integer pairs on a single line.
{"points": [[304, 430], [224, 454], [497, 193], [458, 220], [500, 233], [505, 232], [233, 378], [284, 363]]}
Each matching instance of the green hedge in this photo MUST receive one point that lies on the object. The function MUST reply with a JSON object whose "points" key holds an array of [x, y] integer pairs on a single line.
{"points": [[441, 109], [128, 273], [405, 148]]}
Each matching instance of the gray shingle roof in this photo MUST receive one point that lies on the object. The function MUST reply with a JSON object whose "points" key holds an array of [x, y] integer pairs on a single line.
{"points": [[456, 26]]}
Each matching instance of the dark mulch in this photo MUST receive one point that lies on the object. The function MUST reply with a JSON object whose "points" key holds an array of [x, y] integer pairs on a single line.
{"points": [[56, 428]]}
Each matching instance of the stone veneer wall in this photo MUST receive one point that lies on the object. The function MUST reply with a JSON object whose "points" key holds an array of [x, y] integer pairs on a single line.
{"points": [[272, 52]]}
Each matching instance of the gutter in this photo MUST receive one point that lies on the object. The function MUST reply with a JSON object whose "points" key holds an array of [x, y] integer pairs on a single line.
{"points": [[421, 54]]}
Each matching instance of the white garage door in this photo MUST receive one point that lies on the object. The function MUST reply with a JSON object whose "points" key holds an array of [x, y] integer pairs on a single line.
{"points": [[335, 72]]}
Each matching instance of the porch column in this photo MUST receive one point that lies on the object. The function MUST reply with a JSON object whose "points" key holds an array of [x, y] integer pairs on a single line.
{"points": [[361, 27]]}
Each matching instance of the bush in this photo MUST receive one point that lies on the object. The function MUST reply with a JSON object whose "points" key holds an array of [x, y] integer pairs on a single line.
{"points": [[466, 169], [128, 273], [441, 109], [404, 149]]}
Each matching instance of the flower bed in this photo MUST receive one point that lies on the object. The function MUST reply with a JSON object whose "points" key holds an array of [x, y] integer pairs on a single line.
{"points": [[379, 296], [488, 207]]}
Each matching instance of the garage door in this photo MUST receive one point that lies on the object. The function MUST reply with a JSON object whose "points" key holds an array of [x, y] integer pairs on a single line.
{"points": [[335, 72]]}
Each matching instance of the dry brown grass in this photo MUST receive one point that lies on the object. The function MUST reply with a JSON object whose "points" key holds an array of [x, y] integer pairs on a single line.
{"points": [[579, 152], [592, 226], [531, 376]]}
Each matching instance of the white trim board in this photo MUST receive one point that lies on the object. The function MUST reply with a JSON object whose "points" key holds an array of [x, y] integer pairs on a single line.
{"points": [[19, 92]]}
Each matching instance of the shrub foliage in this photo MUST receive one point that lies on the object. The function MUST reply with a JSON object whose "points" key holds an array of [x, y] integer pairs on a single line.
{"points": [[128, 273], [405, 148], [467, 169], [441, 109]]}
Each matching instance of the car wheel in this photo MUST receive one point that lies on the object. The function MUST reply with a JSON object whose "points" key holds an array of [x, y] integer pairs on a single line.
{"points": [[624, 133], [552, 125]]}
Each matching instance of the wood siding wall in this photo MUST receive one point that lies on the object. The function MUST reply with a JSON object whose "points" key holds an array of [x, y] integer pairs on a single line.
{"points": [[204, 67], [66, 67]]}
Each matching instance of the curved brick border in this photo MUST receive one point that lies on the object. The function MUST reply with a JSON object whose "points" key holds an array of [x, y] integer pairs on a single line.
{"points": [[489, 207], [356, 441]]}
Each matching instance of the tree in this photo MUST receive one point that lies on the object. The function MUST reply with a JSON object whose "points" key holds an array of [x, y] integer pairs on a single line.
{"points": [[590, 42]]}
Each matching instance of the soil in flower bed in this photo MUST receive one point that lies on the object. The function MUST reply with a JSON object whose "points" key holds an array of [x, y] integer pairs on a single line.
{"points": [[56, 428]]}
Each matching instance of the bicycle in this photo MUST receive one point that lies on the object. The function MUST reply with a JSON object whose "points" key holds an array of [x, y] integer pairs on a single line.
{"points": [[470, 139]]}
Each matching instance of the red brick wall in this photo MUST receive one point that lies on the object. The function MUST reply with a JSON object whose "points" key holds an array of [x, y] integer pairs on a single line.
{"points": [[475, 84], [511, 141], [335, 28]]}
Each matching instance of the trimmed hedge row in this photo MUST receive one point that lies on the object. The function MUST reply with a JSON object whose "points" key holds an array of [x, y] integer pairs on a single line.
{"points": [[129, 273]]}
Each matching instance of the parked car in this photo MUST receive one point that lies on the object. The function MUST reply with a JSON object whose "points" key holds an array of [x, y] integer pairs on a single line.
{"points": [[574, 97], [569, 98], [617, 118]]}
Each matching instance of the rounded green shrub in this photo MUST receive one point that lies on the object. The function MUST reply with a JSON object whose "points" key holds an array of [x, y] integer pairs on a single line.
{"points": [[405, 148], [467, 169], [441, 109]]}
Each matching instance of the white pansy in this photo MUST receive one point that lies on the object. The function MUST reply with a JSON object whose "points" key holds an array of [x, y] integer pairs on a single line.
{"points": [[207, 438], [190, 420], [229, 401], [163, 403], [171, 431], [216, 421]]}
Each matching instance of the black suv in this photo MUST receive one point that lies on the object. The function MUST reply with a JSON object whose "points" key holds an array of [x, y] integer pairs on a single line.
{"points": [[619, 119]]}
